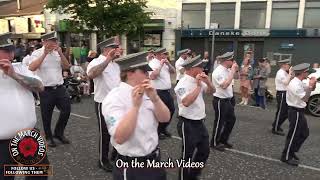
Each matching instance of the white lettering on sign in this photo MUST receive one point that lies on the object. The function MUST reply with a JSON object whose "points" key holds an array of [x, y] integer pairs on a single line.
{"points": [[255, 32]]}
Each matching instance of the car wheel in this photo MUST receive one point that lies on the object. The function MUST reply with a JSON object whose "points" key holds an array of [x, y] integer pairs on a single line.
{"points": [[313, 106]]}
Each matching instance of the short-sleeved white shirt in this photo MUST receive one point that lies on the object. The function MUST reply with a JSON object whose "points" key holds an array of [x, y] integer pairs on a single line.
{"points": [[163, 81], [281, 77], [26, 60], [219, 75], [50, 71], [17, 107], [178, 66], [144, 139], [296, 90], [105, 82], [196, 111]]}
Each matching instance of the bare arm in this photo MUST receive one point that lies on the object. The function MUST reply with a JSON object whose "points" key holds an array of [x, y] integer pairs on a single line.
{"points": [[127, 125], [190, 98], [154, 74], [97, 70], [33, 84], [228, 81], [172, 70], [64, 61], [161, 111], [34, 65]]}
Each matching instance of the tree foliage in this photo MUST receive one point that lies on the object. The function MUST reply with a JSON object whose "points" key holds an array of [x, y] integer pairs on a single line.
{"points": [[111, 17]]}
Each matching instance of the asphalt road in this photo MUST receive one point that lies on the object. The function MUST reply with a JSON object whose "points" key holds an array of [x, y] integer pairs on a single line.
{"points": [[255, 155]]}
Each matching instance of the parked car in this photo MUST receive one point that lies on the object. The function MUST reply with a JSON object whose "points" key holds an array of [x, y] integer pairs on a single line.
{"points": [[313, 105]]}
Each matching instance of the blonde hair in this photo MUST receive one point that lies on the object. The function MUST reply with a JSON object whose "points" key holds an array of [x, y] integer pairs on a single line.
{"points": [[91, 52]]}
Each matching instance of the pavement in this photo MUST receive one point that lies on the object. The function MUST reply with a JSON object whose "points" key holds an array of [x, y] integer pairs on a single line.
{"points": [[255, 155]]}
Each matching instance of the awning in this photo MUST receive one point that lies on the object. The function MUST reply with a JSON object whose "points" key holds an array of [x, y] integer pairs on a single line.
{"points": [[154, 24]]}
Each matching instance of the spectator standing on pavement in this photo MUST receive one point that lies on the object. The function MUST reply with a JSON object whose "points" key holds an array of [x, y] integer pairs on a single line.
{"points": [[245, 82], [106, 76], [161, 80], [48, 62], [16, 103], [183, 54], [223, 104], [259, 83], [189, 91], [282, 80], [132, 112], [208, 63], [83, 56], [298, 94]]}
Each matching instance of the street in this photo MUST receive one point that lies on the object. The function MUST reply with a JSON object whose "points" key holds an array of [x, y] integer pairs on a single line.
{"points": [[255, 155]]}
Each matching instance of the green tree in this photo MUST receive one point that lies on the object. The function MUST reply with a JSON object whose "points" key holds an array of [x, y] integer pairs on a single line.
{"points": [[110, 17]]}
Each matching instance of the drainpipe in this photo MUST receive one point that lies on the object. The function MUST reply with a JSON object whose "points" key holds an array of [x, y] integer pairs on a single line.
{"points": [[18, 5]]}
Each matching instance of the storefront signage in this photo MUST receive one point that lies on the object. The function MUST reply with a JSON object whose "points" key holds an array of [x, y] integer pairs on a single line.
{"points": [[255, 33], [227, 33]]}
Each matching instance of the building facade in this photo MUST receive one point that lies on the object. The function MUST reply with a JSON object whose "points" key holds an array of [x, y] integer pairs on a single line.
{"points": [[265, 27]]}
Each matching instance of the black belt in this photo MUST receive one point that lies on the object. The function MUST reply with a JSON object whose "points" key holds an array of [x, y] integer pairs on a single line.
{"points": [[163, 90], [223, 99], [190, 120], [297, 109], [153, 155], [53, 87], [281, 91]]}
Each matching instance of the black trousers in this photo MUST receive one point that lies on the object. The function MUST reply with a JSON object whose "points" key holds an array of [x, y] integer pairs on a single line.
{"points": [[167, 99], [139, 173], [195, 146], [50, 98], [104, 137], [224, 120], [298, 132], [282, 110], [5, 159]]}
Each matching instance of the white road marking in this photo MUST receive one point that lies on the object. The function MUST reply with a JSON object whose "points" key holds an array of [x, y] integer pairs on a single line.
{"points": [[72, 114], [261, 157]]}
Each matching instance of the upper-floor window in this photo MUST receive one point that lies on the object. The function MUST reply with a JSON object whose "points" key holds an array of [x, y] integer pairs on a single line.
{"points": [[253, 15], [223, 14], [193, 15]]}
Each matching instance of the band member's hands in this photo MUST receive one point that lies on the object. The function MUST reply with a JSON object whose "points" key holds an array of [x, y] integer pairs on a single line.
{"points": [[7, 68], [48, 49], [204, 78], [163, 61], [111, 55], [58, 48], [199, 78], [137, 94], [150, 91], [234, 67], [312, 82]]}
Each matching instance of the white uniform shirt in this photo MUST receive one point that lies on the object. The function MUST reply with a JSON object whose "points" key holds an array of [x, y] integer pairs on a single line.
{"points": [[163, 81], [17, 107], [295, 92], [178, 66], [281, 77], [219, 75], [26, 60], [105, 82], [50, 71], [196, 111], [144, 139]]}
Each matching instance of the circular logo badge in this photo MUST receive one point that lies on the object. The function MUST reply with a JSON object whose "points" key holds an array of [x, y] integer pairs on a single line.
{"points": [[28, 147]]}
